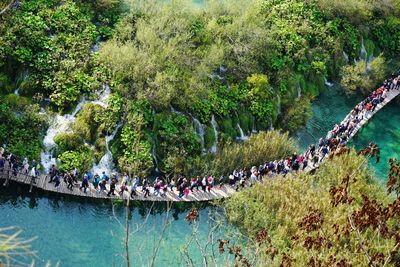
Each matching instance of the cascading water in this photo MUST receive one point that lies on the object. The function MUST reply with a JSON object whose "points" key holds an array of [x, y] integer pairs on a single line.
{"points": [[253, 128], [95, 47], [20, 79], [106, 163], [200, 128], [103, 97], [327, 83], [175, 111], [214, 125], [298, 91], [271, 126], [279, 104], [363, 51], [154, 155], [242, 135], [60, 124], [345, 57]]}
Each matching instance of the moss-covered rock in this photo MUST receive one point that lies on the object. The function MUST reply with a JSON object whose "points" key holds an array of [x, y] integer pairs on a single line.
{"points": [[16, 102], [370, 47], [228, 130], [209, 137], [246, 121], [68, 142]]}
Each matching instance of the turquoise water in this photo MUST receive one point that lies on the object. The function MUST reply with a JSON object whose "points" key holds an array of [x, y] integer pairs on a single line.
{"points": [[78, 233], [384, 128]]}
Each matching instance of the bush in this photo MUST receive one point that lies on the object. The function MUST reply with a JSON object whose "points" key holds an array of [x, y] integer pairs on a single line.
{"points": [[363, 77], [299, 207], [259, 148], [297, 115], [81, 159]]}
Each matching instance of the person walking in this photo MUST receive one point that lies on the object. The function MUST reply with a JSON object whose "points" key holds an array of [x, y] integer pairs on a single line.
{"points": [[70, 181], [134, 186], [96, 181], [56, 180], [85, 183], [114, 181], [145, 188]]}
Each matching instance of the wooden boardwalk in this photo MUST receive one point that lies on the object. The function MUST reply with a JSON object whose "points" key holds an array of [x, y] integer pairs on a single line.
{"points": [[42, 182]]}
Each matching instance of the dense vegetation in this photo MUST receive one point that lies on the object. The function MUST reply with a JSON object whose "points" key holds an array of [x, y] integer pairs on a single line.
{"points": [[340, 216], [250, 64]]}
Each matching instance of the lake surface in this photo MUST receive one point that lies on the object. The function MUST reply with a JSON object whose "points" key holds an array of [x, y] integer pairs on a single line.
{"points": [[79, 233], [333, 105]]}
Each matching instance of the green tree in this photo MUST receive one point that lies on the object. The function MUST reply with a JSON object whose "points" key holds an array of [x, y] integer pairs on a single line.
{"points": [[363, 76]]}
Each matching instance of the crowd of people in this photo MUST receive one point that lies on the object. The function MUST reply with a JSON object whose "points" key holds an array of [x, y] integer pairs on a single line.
{"points": [[315, 154]]}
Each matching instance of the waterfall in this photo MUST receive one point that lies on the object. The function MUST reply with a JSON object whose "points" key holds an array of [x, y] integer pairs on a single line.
{"points": [[222, 70], [298, 91], [271, 126], [363, 51], [106, 163], [214, 125], [22, 77], [175, 111], [95, 47], [254, 129], [370, 58], [199, 130], [154, 155], [327, 83], [103, 97], [279, 104], [59, 124], [242, 135], [346, 57]]}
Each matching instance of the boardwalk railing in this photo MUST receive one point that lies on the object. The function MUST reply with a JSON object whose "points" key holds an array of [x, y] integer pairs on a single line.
{"points": [[217, 192]]}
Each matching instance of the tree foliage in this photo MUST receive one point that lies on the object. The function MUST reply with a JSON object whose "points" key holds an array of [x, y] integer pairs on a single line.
{"points": [[363, 76], [339, 215]]}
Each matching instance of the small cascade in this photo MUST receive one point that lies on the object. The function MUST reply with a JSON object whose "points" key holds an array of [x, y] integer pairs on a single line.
{"points": [[370, 58], [298, 91], [242, 135], [254, 129], [345, 57], [60, 124], [103, 97], [214, 125], [95, 46], [154, 155], [222, 70], [327, 83], [271, 126], [175, 111], [106, 163], [199, 130], [22, 77], [279, 104], [363, 51]]}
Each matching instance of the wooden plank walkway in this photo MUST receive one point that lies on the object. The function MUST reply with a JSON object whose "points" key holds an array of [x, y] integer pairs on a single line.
{"points": [[217, 192]]}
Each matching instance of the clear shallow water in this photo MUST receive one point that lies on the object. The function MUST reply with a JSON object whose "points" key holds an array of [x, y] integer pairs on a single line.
{"points": [[333, 105], [78, 233]]}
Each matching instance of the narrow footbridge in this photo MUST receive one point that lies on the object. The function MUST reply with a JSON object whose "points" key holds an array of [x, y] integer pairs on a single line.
{"points": [[42, 181]]}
